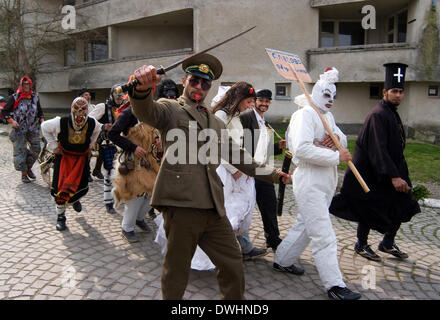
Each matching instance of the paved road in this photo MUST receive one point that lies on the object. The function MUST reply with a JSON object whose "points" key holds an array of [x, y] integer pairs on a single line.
{"points": [[92, 261]]}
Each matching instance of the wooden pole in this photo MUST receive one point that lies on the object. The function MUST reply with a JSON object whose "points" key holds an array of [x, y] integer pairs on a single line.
{"points": [[276, 133], [329, 131]]}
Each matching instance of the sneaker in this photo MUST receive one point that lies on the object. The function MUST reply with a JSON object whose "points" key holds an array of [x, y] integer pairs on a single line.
{"points": [[394, 250], [77, 206], [90, 178], [61, 223], [110, 209], [31, 175], [143, 225], [130, 236], [254, 253], [339, 293], [291, 269], [25, 179], [366, 252], [98, 174]]}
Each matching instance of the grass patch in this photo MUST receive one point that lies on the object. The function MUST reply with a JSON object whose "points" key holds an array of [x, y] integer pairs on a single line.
{"points": [[423, 160]]}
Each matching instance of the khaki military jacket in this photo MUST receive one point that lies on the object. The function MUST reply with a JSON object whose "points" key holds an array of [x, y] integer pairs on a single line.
{"points": [[192, 183]]}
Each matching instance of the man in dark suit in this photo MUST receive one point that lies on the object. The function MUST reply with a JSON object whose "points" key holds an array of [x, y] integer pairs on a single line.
{"points": [[257, 144]]}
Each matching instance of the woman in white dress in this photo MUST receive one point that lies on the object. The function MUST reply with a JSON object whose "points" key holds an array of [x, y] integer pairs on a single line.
{"points": [[239, 189]]}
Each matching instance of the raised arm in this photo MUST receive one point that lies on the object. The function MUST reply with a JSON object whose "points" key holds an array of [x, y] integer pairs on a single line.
{"points": [[156, 114]]}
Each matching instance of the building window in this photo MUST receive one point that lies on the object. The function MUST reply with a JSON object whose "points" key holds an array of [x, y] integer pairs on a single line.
{"points": [[97, 50], [433, 91], [282, 91], [397, 25], [376, 91], [341, 33], [69, 54], [327, 34]]}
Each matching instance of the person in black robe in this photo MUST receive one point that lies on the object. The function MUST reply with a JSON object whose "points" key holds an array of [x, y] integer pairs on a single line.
{"points": [[379, 158]]}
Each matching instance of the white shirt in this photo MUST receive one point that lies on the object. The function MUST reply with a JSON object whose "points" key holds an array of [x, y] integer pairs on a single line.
{"points": [[263, 140], [235, 131], [51, 128]]}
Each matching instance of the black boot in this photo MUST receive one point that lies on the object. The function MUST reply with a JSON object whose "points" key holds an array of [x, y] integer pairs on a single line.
{"points": [[61, 222]]}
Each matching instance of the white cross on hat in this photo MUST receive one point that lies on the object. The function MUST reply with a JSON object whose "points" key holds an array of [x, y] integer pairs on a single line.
{"points": [[398, 75]]}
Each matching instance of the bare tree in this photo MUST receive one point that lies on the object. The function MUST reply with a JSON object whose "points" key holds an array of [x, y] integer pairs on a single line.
{"points": [[29, 30]]}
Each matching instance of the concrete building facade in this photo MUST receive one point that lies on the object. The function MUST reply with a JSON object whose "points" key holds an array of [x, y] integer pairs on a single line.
{"points": [[130, 33]]}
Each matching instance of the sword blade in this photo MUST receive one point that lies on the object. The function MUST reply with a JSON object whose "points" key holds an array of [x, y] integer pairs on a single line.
{"points": [[129, 86], [177, 63]]}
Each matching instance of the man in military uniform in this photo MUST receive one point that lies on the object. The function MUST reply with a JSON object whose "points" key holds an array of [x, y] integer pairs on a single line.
{"points": [[190, 196]]}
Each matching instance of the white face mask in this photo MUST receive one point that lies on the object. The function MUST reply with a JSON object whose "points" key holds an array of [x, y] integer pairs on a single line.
{"points": [[323, 95]]}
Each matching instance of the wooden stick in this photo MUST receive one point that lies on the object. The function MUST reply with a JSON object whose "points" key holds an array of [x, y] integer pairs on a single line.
{"points": [[329, 131], [273, 130]]}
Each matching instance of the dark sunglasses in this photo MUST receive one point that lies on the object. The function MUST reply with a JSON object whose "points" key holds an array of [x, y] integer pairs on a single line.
{"points": [[194, 81]]}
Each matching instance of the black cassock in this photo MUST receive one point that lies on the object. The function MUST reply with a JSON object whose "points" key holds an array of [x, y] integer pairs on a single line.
{"points": [[378, 156]]}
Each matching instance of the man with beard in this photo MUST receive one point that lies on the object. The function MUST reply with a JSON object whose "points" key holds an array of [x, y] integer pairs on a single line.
{"points": [[70, 139], [190, 194], [254, 121], [106, 114], [379, 158]]}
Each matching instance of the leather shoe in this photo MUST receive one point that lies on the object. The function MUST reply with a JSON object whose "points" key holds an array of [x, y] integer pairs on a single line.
{"points": [[274, 244], [77, 206], [394, 250]]}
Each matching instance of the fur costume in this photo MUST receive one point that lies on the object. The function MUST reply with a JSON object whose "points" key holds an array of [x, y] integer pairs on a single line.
{"points": [[141, 179]]}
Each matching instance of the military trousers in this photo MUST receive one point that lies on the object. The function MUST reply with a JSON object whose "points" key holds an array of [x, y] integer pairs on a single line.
{"points": [[186, 228]]}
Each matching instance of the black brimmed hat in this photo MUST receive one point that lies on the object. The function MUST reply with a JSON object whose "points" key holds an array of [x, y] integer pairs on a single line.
{"points": [[264, 93]]}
